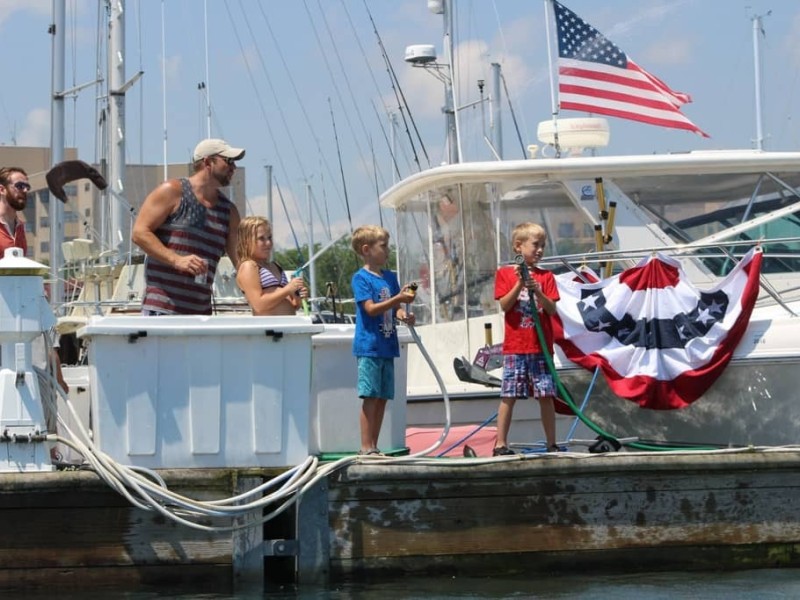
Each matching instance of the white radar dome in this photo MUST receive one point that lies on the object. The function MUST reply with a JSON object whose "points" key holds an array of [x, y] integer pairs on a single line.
{"points": [[575, 134]]}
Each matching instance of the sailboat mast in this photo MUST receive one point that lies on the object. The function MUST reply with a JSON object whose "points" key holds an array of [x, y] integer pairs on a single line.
{"points": [[119, 221], [758, 30], [56, 212], [494, 113]]}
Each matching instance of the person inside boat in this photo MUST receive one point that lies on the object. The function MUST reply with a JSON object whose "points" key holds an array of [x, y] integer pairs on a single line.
{"points": [[379, 301], [14, 188], [184, 227], [522, 289], [268, 289]]}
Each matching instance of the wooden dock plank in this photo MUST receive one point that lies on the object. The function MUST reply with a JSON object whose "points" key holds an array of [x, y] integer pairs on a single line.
{"points": [[384, 515]]}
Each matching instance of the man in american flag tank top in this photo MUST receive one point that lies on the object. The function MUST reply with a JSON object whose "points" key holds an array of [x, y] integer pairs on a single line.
{"points": [[184, 227]]}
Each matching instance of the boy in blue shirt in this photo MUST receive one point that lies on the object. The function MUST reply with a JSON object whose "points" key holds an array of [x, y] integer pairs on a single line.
{"points": [[379, 301]]}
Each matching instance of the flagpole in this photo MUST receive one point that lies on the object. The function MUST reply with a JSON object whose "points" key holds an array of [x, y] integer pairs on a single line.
{"points": [[553, 104]]}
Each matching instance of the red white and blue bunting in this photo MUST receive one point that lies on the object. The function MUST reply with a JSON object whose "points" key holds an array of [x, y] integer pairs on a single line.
{"points": [[659, 341]]}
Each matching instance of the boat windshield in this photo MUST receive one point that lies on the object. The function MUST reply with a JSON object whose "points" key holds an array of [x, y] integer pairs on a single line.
{"points": [[455, 237], [694, 207]]}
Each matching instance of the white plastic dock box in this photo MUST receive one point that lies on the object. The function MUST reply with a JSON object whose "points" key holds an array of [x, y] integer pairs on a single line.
{"points": [[196, 391], [335, 405]]}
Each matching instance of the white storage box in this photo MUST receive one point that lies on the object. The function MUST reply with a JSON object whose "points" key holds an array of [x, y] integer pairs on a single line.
{"points": [[196, 391], [335, 405]]}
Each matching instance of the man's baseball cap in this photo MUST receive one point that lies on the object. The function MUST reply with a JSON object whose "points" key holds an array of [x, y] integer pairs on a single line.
{"points": [[216, 147]]}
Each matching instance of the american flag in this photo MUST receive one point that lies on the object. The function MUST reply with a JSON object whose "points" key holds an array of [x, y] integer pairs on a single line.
{"points": [[596, 76]]}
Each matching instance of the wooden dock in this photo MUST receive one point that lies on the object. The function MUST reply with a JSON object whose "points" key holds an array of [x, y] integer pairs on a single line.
{"points": [[544, 514]]}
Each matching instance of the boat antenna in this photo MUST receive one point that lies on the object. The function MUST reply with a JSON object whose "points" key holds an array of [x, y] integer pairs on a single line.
{"points": [[341, 168], [553, 102], [758, 28], [399, 96]]}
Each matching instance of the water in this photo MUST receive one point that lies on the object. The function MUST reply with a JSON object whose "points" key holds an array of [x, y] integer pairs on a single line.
{"points": [[765, 584]]}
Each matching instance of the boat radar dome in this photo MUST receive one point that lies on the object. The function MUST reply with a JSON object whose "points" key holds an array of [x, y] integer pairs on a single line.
{"points": [[436, 6], [420, 54], [575, 135]]}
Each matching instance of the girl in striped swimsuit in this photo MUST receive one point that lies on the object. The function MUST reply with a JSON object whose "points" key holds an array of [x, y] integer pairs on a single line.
{"points": [[265, 285]]}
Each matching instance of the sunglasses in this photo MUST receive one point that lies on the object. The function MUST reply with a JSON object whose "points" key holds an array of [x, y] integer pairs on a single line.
{"points": [[231, 161], [22, 186]]}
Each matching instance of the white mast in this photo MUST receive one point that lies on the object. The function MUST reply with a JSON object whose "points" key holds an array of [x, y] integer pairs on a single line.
{"points": [[453, 142], [758, 29], [56, 212], [121, 212], [164, 87], [207, 81], [497, 128], [119, 221], [312, 269]]}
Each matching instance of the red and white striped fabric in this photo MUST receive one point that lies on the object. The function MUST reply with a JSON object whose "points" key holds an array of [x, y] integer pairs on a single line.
{"points": [[659, 341]]}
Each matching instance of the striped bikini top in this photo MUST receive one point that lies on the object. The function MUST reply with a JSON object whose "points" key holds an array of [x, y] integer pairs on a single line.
{"points": [[268, 280]]}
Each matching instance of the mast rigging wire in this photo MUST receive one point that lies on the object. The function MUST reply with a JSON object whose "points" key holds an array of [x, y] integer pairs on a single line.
{"points": [[513, 115], [379, 94], [399, 95], [288, 219], [341, 168], [260, 101], [375, 176], [298, 98], [346, 78]]}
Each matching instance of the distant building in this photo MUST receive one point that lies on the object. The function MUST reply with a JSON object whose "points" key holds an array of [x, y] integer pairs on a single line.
{"points": [[85, 203]]}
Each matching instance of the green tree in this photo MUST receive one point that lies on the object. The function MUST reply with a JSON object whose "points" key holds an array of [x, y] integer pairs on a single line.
{"points": [[335, 266]]}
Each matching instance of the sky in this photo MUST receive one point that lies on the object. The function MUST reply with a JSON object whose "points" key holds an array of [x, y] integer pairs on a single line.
{"points": [[304, 86]]}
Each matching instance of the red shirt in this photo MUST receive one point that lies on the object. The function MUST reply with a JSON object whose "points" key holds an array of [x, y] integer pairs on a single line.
{"points": [[19, 240], [520, 332]]}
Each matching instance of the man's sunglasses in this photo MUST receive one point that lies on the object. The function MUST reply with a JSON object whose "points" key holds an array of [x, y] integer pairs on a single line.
{"points": [[22, 186], [230, 161]]}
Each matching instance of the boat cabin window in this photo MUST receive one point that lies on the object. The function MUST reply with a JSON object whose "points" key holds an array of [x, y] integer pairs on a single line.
{"points": [[451, 240], [691, 208]]}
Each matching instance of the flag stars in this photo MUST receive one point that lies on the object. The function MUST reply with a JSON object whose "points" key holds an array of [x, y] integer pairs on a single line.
{"points": [[704, 317], [590, 301]]}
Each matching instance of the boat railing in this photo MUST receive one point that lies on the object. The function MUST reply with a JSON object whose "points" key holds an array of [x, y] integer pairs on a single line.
{"points": [[728, 254]]}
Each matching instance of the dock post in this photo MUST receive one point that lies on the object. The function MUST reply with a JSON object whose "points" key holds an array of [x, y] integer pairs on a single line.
{"points": [[313, 535], [248, 545]]}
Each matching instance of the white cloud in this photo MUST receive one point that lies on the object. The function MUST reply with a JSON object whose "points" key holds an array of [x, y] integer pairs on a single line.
{"points": [[36, 130], [9, 7]]}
